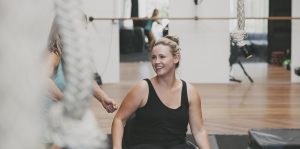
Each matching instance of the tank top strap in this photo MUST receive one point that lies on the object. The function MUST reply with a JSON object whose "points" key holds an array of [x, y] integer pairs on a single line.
{"points": [[184, 95], [151, 88], [152, 96]]}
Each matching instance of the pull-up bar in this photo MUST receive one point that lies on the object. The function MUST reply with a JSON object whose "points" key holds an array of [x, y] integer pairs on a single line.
{"points": [[275, 18]]}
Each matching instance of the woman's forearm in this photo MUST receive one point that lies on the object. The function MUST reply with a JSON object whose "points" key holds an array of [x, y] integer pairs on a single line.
{"points": [[99, 93], [54, 91], [117, 133], [202, 140]]}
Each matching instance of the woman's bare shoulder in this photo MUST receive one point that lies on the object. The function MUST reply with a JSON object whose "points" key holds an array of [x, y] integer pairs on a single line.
{"points": [[140, 88], [192, 91]]}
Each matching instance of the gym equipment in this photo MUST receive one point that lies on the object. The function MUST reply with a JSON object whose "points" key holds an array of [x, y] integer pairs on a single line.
{"points": [[297, 71], [72, 124], [268, 138], [237, 38]]}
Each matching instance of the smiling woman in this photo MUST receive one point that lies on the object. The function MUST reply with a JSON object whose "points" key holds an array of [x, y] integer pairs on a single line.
{"points": [[163, 107]]}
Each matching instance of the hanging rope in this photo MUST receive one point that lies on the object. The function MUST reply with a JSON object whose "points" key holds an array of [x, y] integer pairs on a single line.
{"points": [[72, 124], [239, 34], [76, 58]]}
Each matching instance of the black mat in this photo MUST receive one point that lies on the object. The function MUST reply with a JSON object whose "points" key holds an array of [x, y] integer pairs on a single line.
{"points": [[271, 138], [232, 141]]}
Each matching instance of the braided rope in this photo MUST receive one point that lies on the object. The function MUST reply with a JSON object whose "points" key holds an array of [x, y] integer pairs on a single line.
{"points": [[240, 34], [72, 124], [241, 14], [77, 60]]}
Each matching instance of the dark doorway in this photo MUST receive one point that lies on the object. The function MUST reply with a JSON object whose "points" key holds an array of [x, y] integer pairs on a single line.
{"points": [[279, 32]]}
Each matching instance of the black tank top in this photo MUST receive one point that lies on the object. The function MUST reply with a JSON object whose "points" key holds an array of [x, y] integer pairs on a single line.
{"points": [[156, 123]]}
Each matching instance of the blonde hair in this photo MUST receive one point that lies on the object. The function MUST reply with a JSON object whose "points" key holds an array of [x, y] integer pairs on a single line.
{"points": [[172, 42], [155, 13], [54, 40]]}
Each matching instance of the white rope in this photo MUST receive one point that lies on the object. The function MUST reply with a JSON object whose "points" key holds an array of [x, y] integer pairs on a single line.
{"points": [[75, 134], [77, 62], [72, 124], [239, 34]]}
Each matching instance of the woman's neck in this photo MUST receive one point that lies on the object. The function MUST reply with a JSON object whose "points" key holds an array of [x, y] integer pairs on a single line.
{"points": [[166, 81]]}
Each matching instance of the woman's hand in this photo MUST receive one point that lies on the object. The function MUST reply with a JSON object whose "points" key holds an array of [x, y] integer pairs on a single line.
{"points": [[109, 105]]}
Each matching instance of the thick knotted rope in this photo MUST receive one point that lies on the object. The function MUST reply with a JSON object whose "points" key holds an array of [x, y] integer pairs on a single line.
{"points": [[239, 34], [72, 124]]}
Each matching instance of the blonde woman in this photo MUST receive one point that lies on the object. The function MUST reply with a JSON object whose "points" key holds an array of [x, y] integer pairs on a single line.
{"points": [[163, 106]]}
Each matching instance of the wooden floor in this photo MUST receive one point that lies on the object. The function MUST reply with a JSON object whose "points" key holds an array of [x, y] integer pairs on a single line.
{"points": [[232, 108]]}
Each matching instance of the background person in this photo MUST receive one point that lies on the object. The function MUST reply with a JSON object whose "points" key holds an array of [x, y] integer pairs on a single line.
{"points": [[148, 28], [56, 81]]}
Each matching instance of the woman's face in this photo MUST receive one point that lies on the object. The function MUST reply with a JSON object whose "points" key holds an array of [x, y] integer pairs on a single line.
{"points": [[163, 61]]}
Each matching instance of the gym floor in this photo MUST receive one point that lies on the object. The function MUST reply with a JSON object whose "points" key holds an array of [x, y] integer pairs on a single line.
{"points": [[231, 108]]}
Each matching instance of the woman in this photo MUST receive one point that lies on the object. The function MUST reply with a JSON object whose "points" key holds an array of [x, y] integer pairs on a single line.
{"points": [[56, 84], [56, 77], [163, 106], [148, 28]]}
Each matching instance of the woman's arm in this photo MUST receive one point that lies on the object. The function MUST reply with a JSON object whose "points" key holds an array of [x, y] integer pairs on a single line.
{"points": [[195, 119], [136, 98], [108, 103], [52, 63]]}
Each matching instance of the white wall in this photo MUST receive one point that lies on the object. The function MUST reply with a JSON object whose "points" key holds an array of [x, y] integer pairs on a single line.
{"points": [[104, 35], [295, 40], [205, 43], [105, 38]]}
